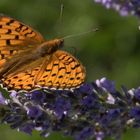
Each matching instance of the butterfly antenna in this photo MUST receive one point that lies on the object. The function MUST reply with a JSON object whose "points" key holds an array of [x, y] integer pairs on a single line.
{"points": [[59, 20], [79, 34], [61, 12]]}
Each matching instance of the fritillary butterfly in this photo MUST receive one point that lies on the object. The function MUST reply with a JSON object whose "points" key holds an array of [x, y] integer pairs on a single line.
{"points": [[28, 61]]}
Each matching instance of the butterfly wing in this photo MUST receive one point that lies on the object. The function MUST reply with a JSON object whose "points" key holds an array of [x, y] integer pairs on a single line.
{"points": [[15, 37], [13, 33], [67, 72], [62, 72]]}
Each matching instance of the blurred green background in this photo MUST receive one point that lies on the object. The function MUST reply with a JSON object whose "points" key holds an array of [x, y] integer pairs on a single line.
{"points": [[112, 52]]}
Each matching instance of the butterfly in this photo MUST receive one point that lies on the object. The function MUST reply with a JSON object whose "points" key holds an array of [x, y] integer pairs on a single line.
{"points": [[28, 61]]}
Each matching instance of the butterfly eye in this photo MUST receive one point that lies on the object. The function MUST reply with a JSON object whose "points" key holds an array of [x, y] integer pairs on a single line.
{"points": [[61, 42]]}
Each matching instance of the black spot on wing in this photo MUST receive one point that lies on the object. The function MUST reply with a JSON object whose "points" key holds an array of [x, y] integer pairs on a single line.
{"points": [[54, 74], [19, 28], [8, 42], [17, 37], [61, 76], [26, 34], [10, 22], [45, 76], [8, 31], [61, 68], [73, 68]]}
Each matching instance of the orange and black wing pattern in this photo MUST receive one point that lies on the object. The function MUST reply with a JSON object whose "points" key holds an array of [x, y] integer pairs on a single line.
{"points": [[15, 33], [62, 72], [15, 37]]}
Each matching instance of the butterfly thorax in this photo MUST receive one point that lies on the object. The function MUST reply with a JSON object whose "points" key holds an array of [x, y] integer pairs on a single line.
{"points": [[49, 47]]}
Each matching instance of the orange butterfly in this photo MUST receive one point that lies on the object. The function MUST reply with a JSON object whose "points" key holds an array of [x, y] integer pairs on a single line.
{"points": [[28, 61]]}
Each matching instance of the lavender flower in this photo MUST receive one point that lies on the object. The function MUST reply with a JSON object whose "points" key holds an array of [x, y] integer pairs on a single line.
{"points": [[96, 110], [124, 7], [2, 100]]}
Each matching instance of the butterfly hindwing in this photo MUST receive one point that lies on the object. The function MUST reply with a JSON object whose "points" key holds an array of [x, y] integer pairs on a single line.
{"points": [[62, 72]]}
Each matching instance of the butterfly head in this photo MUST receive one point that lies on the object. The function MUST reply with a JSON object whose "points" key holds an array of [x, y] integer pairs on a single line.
{"points": [[59, 43]]}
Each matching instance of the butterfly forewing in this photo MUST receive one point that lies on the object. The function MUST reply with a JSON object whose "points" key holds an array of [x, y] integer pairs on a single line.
{"points": [[13, 32], [15, 37]]}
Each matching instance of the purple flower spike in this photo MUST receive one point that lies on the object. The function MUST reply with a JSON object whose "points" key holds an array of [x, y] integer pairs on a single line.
{"points": [[135, 112], [86, 88], [89, 101], [85, 133], [94, 111], [61, 107], [137, 94], [34, 112], [2, 100], [38, 96], [13, 94], [99, 135], [124, 7], [114, 113], [27, 128], [106, 84]]}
